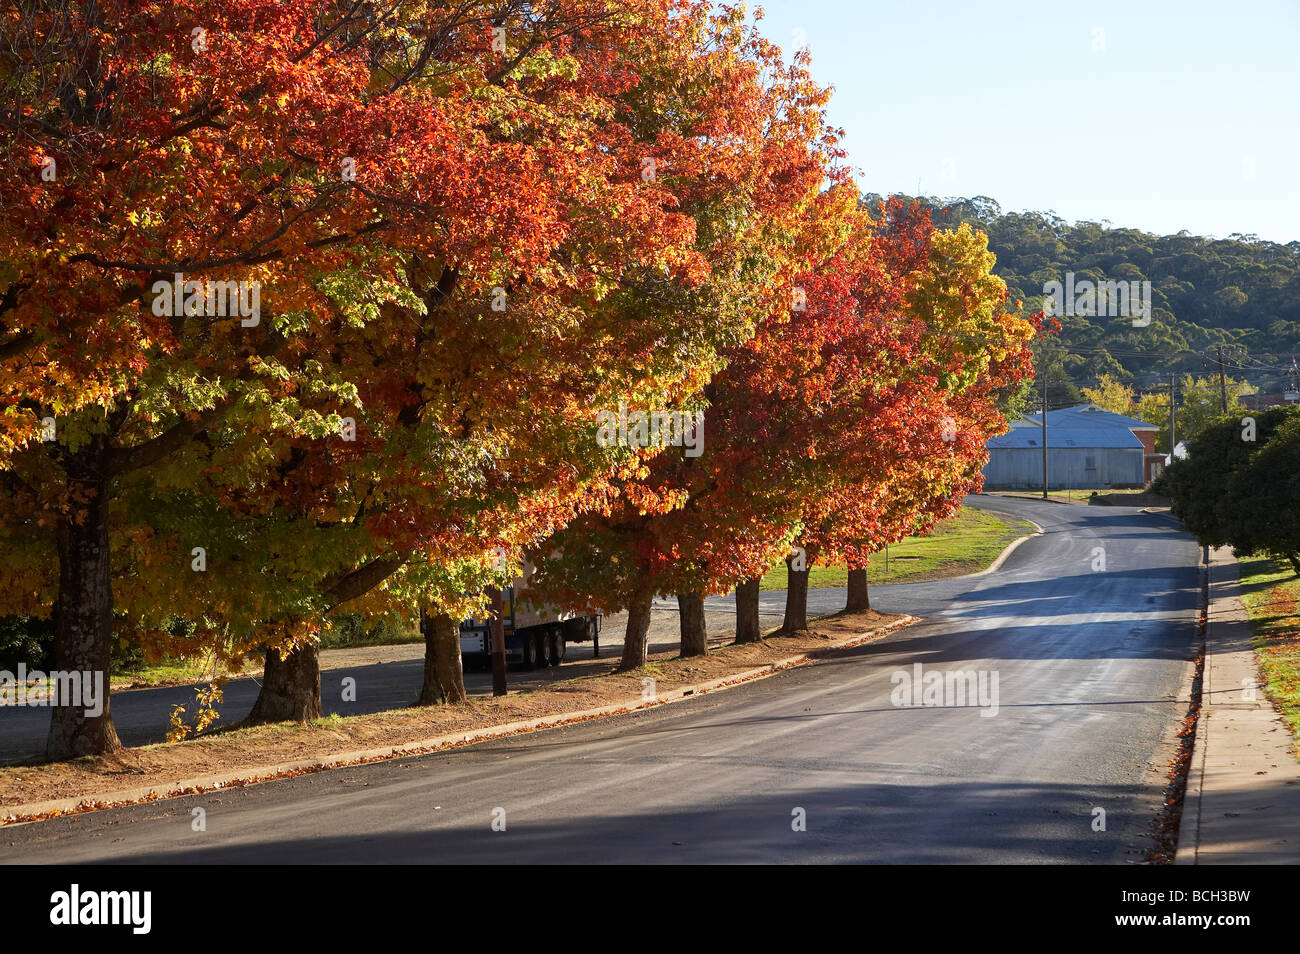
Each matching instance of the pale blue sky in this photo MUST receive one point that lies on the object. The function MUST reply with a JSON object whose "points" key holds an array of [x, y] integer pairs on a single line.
{"points": [[1177, 115]]}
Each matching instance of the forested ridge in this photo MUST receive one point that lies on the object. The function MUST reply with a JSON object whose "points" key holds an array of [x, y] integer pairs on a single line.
{"points": [[1241, 292]]}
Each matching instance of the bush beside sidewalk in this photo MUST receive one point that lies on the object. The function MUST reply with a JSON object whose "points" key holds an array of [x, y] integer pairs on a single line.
{"points": [[1242, 804]]}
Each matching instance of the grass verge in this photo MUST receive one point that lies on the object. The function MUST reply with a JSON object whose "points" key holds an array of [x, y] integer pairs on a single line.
{"points": [[966, 543], [176, 672], [1271, 594]]}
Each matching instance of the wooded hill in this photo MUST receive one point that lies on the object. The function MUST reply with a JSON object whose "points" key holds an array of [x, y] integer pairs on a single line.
{"points": [[1241, 292]]}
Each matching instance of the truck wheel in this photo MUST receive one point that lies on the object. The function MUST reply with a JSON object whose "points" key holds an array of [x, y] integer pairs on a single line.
{"points": [[555, 647], [530, 652]]}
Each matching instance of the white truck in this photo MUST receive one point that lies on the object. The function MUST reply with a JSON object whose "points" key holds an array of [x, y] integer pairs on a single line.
{"points": [[536, 636]]}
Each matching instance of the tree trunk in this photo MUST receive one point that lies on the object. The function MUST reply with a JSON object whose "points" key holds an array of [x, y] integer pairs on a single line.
{"points": [[1295, 562], [290, 687], [747, 628], [695, 640], [859, 600], [638, 628], [444, 677], [83, 613], [796, 599]]}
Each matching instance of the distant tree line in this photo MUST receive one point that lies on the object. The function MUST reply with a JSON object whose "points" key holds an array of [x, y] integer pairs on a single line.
{"points": [[1240, 292]]}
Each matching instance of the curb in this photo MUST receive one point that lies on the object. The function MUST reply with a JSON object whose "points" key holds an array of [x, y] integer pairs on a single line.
{"points": [[1002, 557], [1189, 825], [241, 778], [1189, 828], [1163, 515]]}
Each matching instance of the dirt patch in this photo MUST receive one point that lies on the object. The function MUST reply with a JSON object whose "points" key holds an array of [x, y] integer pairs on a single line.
{"points": [[233, 750]]}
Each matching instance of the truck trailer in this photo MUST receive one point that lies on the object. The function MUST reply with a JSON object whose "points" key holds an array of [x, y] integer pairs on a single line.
{"points": [[535, 635]]}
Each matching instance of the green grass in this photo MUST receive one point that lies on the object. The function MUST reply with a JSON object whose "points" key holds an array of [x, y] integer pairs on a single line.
{"points": [[966, 543], [170, 672], [353, 630], [1271, 594]]}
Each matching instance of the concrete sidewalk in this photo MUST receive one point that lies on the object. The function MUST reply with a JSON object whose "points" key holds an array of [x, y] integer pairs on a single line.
{"points": [[1243, 788]]}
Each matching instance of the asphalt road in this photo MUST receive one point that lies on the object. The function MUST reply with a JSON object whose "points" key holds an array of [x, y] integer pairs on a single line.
{"points": [[1092, 668]]}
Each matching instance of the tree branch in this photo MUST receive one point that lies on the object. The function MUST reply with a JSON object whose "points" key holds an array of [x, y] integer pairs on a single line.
{"points": [[358, 582], [121, 460]]}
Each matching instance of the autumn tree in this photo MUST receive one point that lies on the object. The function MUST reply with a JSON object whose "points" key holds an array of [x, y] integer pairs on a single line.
{"points": [[788, 411], [907, 461], [372, 185], [926, 486], [758, 226], [1111, 394]]}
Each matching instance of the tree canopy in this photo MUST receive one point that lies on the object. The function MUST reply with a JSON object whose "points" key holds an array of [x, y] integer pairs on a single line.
{"points": [[1240, 485]]}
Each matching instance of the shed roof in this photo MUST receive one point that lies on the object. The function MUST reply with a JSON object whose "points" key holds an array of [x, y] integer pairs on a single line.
{"points": [[1090, 415], [1067, 437]]}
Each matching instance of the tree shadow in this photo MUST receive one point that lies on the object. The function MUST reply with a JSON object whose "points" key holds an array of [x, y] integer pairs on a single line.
{"points": [[855, 820]]}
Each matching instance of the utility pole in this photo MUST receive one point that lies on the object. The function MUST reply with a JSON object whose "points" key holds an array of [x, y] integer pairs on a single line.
{"points": [[1223, 383], [1173, 421], [1044, 436], [498, 630]]}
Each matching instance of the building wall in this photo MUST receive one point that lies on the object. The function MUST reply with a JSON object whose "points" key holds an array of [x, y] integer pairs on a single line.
{"points": [[1151, 461], [1016, 468], [1153, 465]]}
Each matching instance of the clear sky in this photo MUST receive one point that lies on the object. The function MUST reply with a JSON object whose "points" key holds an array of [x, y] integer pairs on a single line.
{"points": [[1160, 116]]}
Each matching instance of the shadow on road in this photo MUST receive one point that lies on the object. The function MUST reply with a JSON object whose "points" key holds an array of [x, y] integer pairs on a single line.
{"points": [[941, 821]]}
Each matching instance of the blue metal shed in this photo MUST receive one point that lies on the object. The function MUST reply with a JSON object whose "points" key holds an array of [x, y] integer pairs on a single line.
{"points": [[1088, 448]]}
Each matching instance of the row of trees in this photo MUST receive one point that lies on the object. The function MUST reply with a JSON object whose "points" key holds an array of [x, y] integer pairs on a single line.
{"points": [[463, 229]]}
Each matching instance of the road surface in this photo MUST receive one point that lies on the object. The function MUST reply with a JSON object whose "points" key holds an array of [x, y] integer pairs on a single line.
{"points": [[1092, 667]]}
